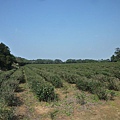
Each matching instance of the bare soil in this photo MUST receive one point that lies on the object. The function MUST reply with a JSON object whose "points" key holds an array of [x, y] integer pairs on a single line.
{"points": [[66, 108]]}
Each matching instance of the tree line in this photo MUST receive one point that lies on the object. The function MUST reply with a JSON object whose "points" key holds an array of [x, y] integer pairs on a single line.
{"points": [[7, 59]]}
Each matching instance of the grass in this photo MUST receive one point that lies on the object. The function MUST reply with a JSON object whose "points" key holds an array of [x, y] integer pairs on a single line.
{"points": [[73, 104], [67, 107]]}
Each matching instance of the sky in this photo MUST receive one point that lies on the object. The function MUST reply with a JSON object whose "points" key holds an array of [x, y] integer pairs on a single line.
{"points": [[60, 29]]}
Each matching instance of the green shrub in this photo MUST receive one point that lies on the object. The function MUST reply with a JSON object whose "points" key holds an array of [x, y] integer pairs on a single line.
{"points": [[55, 80], [44, 91], [94, 87], [116, 73], [102, 93], [8, 87], [6, 75], [88, 85], [81, 98], [5, 112], [105, 94], [70, 78], [114, 84], [82, 84]]}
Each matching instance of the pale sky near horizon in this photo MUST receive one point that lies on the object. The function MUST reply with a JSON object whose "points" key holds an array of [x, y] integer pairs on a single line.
{"points": [[60, 29]]}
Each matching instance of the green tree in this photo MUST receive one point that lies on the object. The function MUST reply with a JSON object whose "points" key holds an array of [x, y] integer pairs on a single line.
{"points": [[58, 61], [6, 59], [117, 53], [71, 61], [116, 56]]}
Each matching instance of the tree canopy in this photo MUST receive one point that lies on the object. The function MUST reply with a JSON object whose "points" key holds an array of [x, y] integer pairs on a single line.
{"points": [[116, 56], [6, 59]]}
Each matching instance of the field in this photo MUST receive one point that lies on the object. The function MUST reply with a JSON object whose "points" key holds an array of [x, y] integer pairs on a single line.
{"points": [[85, 91]]}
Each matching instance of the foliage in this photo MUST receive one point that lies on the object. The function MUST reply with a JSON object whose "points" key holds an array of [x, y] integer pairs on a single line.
{"points": [[9, 82], [101, 79], [22, 61], [70, 78], [96, 78], [8, 86], [52, 78], [81, 98], [5, 112], [116, 56], [43, 89], [6, 59], [80, 61], [114, 84], [88, 85]]}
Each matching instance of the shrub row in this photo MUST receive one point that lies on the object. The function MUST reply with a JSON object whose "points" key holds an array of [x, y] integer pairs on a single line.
{"points": [[50, 77], [111, 83], [9, 85], [7, 97], [97, 78], [44, 90], [70, 78], [52, 72], [5, 75], [95, 87]]}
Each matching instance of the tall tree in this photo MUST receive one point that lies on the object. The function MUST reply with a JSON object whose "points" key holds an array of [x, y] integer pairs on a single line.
{"points": [[116, 56], [6, 59]]}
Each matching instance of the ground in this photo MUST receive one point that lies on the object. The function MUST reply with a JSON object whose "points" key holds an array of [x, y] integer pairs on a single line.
{"points": [[67, 107]]}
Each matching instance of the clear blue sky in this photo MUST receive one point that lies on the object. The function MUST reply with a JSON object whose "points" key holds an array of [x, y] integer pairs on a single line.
{"points": [[60, 28]]}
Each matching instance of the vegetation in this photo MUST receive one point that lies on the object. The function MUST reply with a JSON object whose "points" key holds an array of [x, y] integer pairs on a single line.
{"points": [[6, 59], [116, 56], [44, 90], [8, 85], [50, 80]]}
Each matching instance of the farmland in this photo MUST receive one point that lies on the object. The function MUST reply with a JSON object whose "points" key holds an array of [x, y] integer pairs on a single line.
{"points": [[61, 91]]}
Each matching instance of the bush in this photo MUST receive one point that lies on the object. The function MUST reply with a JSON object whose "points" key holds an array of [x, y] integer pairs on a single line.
{"points": [[114, 84], [44, 91], [70, 78], [116, 73], [6, 75], [5, 112], [55, 80], [95, 87], [82, 84], [81, 98], [88, 85], [105, 94], [102, 93]]}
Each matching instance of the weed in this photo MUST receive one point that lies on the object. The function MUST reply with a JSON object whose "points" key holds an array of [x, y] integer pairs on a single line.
{"points": [[53, 114], [81, 98]]}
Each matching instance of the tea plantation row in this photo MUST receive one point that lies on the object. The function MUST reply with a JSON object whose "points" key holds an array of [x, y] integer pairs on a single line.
{"points": [[9, 82], [101, 79]]}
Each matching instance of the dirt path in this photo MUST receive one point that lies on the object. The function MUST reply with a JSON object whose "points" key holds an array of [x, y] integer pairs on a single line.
{"points": [[107, 111], [30, 108]]}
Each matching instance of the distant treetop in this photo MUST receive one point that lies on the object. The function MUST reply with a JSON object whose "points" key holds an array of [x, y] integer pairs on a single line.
{"points": [[116, 56]]}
